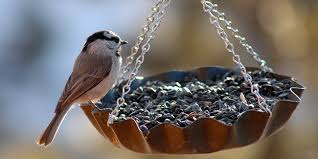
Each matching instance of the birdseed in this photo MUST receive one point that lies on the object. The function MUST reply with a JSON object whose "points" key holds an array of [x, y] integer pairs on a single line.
{"points": [[183, 102]]}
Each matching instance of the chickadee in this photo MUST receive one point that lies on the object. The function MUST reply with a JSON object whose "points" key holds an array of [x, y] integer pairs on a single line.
{"points": [[94, 73]]}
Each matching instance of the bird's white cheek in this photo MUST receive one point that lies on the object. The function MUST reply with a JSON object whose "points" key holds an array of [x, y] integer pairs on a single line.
{"points": [[120, 61]]}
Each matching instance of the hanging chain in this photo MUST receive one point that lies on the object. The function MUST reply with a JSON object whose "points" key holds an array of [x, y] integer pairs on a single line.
{"points": [[235, 32], [134, 50], [215, 21], [140, 59]]}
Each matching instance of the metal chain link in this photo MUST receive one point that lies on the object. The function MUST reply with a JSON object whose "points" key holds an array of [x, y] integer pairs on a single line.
{"points": [[134, 50], [208, 7], [140, 59], [235, 32]]}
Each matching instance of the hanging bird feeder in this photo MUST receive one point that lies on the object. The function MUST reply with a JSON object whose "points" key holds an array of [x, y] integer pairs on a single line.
{"points": [[203, 110]]}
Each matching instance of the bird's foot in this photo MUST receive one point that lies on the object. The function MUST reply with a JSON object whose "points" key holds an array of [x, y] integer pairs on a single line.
{"points": [[91, 103], [98, 103], [95, 104]]}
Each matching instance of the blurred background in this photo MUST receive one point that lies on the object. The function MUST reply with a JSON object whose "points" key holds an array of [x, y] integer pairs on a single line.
{"points": [[39, 41]]}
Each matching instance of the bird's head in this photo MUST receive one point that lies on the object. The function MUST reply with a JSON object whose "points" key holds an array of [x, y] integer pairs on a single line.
{"points": [[104, 39]]}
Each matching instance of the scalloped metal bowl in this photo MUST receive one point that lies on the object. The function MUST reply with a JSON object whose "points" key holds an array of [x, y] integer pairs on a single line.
{"points": [[205, 135]]}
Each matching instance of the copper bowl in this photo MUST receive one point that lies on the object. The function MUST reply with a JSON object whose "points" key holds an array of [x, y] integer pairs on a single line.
{"points": [[205, 135]]}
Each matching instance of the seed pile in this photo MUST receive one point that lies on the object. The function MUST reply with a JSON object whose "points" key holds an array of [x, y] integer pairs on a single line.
{"points": [[183, 102]]}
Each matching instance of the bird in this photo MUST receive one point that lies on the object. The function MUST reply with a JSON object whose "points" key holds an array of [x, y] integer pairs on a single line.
{"points": [[95, 72]]}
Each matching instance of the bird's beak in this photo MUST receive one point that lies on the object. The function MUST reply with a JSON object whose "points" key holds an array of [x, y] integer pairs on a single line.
{"points": [[123, 42]]}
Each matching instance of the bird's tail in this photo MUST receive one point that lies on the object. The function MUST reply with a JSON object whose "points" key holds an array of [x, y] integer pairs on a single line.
{"points": [[48, 135]]}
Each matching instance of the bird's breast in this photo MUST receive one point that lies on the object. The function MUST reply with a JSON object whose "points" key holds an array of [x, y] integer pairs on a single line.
{"points": [[105, 85]]}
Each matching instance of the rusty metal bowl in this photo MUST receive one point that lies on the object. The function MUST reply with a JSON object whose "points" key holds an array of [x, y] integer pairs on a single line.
{"points": [[205, 135]]}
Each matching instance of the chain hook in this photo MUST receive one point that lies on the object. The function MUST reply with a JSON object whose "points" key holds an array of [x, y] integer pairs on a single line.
{"points": [[215, 18], [148, 34]]}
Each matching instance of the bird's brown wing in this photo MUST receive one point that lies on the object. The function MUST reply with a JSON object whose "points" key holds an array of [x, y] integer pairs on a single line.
{"points": [[89, 70]]}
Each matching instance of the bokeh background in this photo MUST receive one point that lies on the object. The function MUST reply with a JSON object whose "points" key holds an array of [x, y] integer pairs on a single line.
{"points": [[39, 41]]}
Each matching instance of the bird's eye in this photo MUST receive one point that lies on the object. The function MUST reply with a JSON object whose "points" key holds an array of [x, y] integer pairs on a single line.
{"points": [[116, 39]]}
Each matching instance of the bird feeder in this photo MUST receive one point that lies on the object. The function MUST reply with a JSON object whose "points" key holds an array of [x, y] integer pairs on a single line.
{"points": [[258, 116]]}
